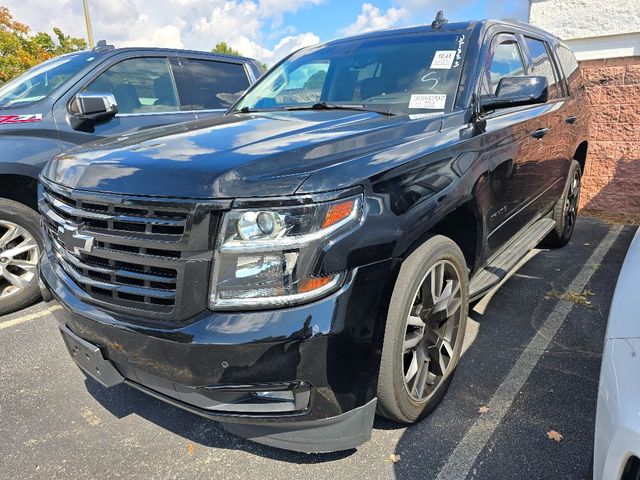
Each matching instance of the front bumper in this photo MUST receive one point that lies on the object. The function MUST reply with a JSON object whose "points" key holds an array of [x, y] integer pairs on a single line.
{"points": [[302, 378]]}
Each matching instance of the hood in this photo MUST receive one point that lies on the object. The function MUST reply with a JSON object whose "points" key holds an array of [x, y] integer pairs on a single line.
{"points": [[237, 155]]}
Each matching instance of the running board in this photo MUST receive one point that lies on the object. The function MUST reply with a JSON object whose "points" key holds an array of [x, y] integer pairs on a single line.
{"points": [[500, 266]]}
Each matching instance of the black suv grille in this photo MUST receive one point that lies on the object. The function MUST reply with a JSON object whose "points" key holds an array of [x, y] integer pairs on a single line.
{"points": [[131, 254]]}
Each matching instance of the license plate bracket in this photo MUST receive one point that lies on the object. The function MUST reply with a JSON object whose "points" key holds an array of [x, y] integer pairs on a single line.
{"points": [[90, 359]]}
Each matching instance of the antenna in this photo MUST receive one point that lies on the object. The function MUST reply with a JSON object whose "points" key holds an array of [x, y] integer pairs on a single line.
{"points": [[439, 21], [102, 46]]}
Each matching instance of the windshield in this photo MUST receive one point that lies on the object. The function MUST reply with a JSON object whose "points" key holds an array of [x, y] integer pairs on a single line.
{"points": [[43, 79], [407, 73]]}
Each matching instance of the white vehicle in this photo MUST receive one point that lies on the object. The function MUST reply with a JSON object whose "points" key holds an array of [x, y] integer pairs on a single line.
{"points": [[617, 437]]}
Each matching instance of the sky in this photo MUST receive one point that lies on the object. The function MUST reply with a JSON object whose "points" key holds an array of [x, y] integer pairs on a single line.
{"points": [[263, 29]]}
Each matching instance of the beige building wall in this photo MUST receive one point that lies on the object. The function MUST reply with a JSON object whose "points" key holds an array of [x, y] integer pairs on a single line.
{"points": [[605, 35]]}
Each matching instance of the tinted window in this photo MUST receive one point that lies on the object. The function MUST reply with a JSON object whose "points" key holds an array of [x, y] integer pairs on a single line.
{"points": [[399, 73], [504, 60], [42, 80], [140, 85], [214, 85], [542, 64], [569, 67]]}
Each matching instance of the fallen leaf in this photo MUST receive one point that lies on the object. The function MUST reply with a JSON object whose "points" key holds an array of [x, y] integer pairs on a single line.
{"points": [[394, 458], [190, 448], [553, 435], [483, 409]]}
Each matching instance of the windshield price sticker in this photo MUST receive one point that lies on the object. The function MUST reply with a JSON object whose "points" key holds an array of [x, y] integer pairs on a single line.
{"points": [[443, 59], [430, 100]]}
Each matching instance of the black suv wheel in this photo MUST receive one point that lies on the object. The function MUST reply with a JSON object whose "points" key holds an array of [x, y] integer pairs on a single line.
{"points": [[20, 247], [565, 211], [425, 331]]}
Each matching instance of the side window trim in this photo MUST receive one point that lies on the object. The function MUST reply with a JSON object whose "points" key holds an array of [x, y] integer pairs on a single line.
{"points": [[86, 81], [488, 57], [561, 92], [565, 77]]}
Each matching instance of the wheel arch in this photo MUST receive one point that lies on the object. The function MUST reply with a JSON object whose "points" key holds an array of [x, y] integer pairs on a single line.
{"points": [[20, 188], [580, 154], [463, 226]]}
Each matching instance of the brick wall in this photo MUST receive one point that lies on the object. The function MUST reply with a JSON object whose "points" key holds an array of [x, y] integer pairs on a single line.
{"points": [[611, 180]]}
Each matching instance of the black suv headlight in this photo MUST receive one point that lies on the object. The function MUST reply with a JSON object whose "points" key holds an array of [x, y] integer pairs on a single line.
{"points": [[265, 256]]}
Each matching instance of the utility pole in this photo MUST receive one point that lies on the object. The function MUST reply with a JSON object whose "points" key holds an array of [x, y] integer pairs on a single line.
{"points": [[87, 20]]}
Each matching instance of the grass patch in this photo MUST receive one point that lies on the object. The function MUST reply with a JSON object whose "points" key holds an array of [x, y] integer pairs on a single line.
{"points": [[573, 297]]}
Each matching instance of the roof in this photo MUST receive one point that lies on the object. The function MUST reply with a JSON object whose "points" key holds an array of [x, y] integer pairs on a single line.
{"points": [[448, 27], [177, 51]]}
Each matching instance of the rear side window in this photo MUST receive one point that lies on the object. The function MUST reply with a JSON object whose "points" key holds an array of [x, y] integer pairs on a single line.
{"points": [[542, 65], [139, 85], [215, 85], [504, 60], [569, 67]]}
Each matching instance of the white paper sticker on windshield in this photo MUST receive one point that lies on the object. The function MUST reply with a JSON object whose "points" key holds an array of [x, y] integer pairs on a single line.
{"points": [[443, 59], [429, 100]]}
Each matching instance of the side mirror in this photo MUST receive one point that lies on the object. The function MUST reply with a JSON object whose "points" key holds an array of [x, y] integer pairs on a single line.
{"points": [[86, 109], [518, 91]]}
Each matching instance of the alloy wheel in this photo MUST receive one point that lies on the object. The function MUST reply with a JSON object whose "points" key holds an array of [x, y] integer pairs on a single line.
{"points": [[431, 332], [571, 203], [18, 258]]}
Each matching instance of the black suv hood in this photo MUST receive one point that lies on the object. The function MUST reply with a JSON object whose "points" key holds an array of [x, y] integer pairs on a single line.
{"points": [[239, 155]]}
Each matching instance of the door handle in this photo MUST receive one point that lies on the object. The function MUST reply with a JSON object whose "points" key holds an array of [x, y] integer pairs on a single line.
{"points": [[570, 119], [539, 133]]}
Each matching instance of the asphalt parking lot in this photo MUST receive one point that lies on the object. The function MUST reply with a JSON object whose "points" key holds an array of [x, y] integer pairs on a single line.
{"points": [[532, 358]]}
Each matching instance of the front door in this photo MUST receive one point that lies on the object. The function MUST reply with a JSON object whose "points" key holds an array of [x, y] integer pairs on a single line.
{"points": [[145, 90], [507, 143]]}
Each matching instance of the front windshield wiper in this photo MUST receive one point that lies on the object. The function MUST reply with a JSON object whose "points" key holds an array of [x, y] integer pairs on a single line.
{"points": [[335, 106]]}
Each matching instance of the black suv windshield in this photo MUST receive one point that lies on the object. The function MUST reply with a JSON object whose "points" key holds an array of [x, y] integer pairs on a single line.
{"points": [[42, 80], [403, 73]]}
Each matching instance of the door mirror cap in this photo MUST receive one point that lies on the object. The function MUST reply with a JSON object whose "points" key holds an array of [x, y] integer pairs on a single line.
{"points": [[88, 108], [518, 91]]}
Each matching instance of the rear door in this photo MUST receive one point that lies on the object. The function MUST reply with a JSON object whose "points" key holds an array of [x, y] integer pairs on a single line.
{"points": [[548, 155], [209, 87], [145, 90]]}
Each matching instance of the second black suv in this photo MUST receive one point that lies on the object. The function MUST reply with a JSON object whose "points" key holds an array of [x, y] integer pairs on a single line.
{"points": [[84, 96], [308, 259]]}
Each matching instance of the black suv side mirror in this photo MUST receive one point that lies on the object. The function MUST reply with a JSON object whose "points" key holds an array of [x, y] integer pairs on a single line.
{"points": [[518, 91], [88, 108]]}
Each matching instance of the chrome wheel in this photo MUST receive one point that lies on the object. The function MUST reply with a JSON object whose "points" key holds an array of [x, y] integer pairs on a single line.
{"points": [[431, 332], [571, 204], [18, 258]]}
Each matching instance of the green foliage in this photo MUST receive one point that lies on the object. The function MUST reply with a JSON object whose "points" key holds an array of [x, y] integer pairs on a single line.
{"points": [[20, 50], [225, 49]]}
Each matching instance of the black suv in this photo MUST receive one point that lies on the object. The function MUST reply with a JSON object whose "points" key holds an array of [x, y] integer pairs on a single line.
{"points": [[308, 259], [78, 98]]}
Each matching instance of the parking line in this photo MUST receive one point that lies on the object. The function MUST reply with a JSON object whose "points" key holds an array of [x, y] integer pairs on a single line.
{"points": [[28, 318], [464, 456]]}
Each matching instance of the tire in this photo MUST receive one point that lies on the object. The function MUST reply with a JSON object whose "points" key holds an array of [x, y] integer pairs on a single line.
{"points": [[20, 247], [400, 396], [565, 211]]}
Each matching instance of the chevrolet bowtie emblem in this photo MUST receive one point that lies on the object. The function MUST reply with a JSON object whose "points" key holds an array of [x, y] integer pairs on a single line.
{"points": [[73, 240]]}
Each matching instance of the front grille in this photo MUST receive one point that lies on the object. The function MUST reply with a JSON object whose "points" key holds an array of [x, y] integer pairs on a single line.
{"points": [[143, 255]]}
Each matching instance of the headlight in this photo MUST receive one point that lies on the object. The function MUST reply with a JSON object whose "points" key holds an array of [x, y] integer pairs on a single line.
{"points": [[265, 257]]}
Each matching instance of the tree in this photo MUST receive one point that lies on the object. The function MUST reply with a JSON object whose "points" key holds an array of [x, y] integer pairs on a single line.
{"points": [[20, 50], [225, 49]]}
